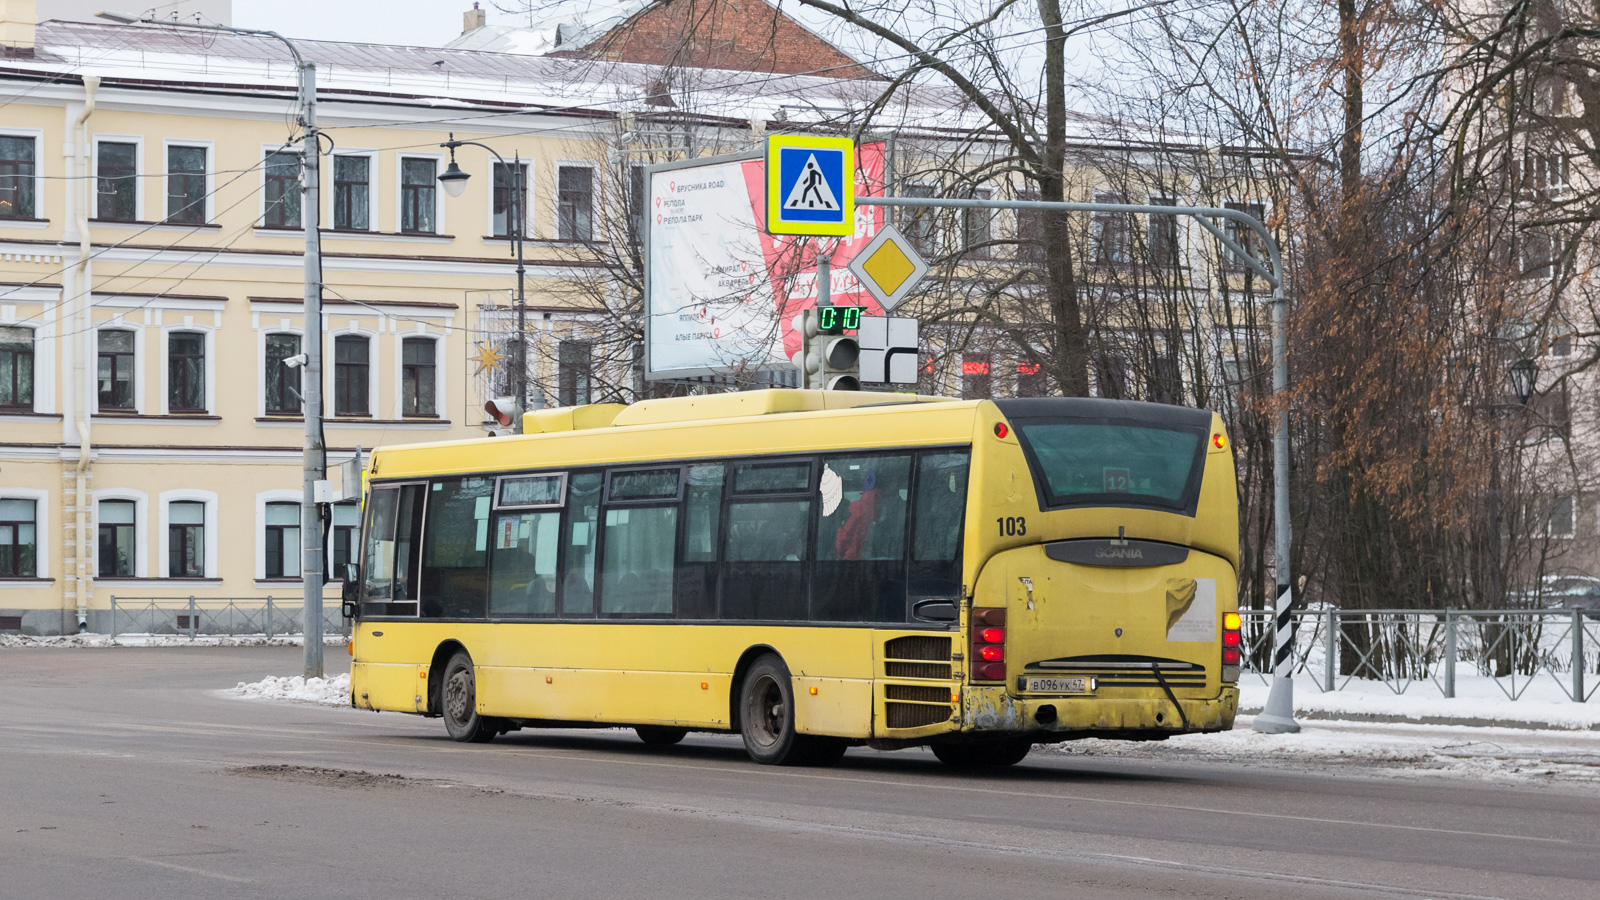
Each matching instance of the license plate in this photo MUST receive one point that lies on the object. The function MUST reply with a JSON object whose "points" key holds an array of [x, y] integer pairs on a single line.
{"points": [[1058, 685]]}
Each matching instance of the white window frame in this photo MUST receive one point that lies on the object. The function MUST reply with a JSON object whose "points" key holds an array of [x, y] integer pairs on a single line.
{"points": [[42, 535], [330, 372], [211, 177], [439, 229], [261, 188], [138, 364], [527, 207], [210, 333], [141, 531], [167, 498], [595, 225], [371, 156], [440, 367], [282, 495], [1571, 531], [37, 134], [137, 140], [261, 364]]}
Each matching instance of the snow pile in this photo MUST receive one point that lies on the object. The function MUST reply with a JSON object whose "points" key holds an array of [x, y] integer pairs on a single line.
{"points": [[333, 691], [90, 640], [1479, 701]]}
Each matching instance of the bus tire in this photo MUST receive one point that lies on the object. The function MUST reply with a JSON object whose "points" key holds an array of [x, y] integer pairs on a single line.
{"points": [[766, 714], [660, 735], [996, 754], [458, 692]]}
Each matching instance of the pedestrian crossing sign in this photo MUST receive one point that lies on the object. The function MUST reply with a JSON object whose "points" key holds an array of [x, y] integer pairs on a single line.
{"points": [[811, 185]]}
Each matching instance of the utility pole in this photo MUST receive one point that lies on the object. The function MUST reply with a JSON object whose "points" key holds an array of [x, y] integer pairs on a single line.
{"points": [[314, 461]]}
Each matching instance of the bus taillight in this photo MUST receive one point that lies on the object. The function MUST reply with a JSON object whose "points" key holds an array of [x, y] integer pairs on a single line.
{"points": [[1231, 643], [988, 644]]}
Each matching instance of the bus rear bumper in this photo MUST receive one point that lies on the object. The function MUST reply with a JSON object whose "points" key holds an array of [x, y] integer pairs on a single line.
{"points": [[992, 710]]}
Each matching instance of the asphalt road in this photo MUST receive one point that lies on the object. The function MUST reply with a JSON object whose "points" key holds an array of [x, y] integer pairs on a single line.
{"points": [[126, 774]]}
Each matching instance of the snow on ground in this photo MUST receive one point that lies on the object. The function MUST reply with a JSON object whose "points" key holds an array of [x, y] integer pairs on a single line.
{"points": [[96, 641], [333, 691], [1479, 700]]}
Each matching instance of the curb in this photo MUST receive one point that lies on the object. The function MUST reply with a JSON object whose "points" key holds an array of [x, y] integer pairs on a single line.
{"points": [[1385, 719]]}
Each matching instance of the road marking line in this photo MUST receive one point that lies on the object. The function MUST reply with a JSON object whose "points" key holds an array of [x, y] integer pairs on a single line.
{"points": [[191, 870]]}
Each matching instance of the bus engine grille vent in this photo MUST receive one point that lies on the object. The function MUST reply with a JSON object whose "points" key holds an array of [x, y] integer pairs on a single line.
{"points": [[915, 715], [931, 655], [917, 692], [1127, 671]]}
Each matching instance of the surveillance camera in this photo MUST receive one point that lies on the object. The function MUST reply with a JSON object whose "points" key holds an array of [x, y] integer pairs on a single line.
{"points": [[296, 361]]}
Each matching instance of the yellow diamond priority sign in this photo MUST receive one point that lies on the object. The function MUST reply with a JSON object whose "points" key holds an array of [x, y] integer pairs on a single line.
{"points": [[889, 267]]}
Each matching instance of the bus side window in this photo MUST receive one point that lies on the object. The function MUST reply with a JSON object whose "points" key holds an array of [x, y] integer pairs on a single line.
{"points": [[937, 517], [523, 572], [394, 529], [377, 569], [639, 543], [859, 575], [702, 518], [455, 550], [764, 561], [581, 539]]}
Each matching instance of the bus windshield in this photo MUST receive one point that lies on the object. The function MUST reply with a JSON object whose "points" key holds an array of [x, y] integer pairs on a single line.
{"points": [[1078, 462]]}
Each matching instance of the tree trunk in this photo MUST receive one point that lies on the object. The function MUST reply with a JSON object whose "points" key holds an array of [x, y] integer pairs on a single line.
{"points": [[1071, 349]]}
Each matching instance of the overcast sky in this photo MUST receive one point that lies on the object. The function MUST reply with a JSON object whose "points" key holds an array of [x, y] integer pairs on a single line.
{"points": [[426, 23]]}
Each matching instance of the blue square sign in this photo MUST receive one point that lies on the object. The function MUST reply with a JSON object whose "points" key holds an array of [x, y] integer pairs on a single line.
{"points": [[810, 185]]}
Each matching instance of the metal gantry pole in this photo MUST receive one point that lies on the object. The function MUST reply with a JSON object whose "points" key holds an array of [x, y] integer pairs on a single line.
{"points": [[1278, 717], [314, 464]]}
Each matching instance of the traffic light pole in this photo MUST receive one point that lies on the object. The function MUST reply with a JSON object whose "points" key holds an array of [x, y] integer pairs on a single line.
{"points": [[1278, 716]]}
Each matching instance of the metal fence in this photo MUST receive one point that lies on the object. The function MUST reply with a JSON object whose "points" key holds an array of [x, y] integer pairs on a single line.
{"points": [[196, 616], [1405, 647]]}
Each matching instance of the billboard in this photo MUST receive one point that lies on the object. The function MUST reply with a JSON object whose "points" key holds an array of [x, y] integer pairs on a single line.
{"points": [[721, 293]]}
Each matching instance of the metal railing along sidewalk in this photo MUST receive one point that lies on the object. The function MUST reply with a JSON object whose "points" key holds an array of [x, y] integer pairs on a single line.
{"points": [[194, 616]]}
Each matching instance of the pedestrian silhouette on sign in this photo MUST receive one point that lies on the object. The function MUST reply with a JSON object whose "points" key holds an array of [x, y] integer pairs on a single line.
{"points": [[813, 179]]}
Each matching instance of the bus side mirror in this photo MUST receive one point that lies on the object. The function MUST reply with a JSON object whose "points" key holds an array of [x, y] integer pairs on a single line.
{"points": [[350, 591]]}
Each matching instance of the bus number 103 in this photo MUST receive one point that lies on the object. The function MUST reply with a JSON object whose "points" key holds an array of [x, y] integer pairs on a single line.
{"points": [[1012, 526], [839, 318]]}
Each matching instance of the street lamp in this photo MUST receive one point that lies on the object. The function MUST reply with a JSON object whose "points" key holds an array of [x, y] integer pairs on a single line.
{"points": [[314, 460], [1524, 373], [454, 181]]}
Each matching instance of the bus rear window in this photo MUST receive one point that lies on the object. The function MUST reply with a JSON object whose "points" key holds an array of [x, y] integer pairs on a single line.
{"points": [[1079, 463]]}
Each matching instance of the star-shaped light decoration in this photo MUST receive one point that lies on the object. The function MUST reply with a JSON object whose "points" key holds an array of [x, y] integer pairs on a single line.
{"points": [[488, 358]]}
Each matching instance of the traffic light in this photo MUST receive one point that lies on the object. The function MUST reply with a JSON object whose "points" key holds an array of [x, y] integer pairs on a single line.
{"points": [[828, 357], [506, 413]]}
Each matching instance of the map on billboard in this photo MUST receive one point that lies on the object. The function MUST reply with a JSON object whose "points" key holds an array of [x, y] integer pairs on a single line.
{"points": [[720, 293]]}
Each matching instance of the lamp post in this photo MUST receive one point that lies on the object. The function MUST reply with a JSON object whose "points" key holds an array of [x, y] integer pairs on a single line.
{"points": [[1524, 372], [314, 459], [454, 180]]}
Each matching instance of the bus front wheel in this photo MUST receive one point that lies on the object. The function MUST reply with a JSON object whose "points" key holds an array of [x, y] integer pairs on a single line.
{"points": [[766, 720], [459, 695], [985, 755]]}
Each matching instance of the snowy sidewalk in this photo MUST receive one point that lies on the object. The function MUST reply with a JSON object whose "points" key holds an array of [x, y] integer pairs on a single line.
{"points": [[89, 641], [1479, 702]]}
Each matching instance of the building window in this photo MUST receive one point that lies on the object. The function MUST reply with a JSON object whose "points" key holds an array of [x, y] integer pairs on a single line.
{"points": [[503, 197], [920, 224], [282, 382], [346, 532], [1162, 233], [1111, 376], [574, 203], [417, 392], [283, 540], [1537, 253], [117, 192], [282, 190], [1109, 233], [1562, 521], [1031, 380], [417, 196], [16, 177], [186, 185], [186, 372], [116, 370], [575, 365], [977, 225], [186, 539], [1244, 236], [19, 539], [352, 188], [636, 205], [1030, 232], [350, 360], [16, 368], [977, 378], [117, 541]]}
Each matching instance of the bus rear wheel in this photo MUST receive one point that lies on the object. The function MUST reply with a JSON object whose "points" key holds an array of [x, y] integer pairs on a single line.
{"points": [[995, 754], [458, 694], [766, 720], [660, 735]]}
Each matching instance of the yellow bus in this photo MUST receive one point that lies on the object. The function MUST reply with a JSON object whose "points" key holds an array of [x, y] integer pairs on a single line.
{"points": [[811, 570]]}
